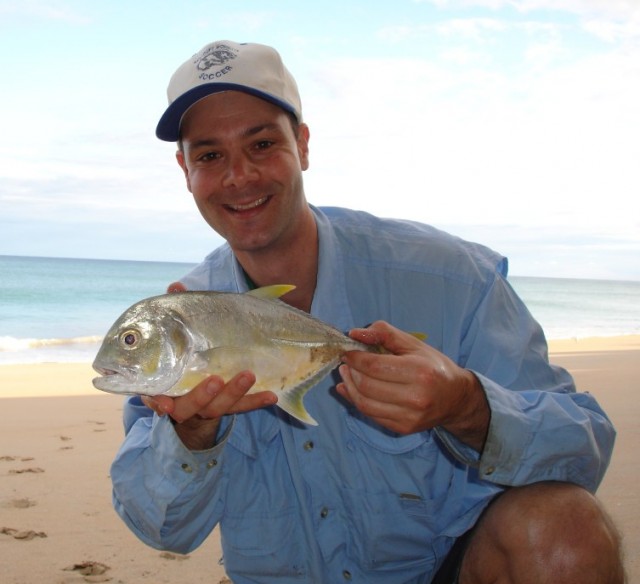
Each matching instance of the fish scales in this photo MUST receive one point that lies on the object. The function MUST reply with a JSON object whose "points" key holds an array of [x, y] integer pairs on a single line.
{"points": [[167, 344]]}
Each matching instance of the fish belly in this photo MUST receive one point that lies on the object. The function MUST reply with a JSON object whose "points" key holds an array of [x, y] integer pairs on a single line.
{"points": [[287, 369]]}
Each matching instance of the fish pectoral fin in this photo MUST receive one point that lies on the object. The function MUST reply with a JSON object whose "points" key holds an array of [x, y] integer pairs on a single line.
{"points": [[271, 292]]}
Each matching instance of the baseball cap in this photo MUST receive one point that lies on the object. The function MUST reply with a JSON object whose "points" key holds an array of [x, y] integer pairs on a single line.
{"points": [[226, 66]]}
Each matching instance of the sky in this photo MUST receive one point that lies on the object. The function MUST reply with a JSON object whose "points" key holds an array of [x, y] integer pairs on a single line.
{"points": [[514, 123]]}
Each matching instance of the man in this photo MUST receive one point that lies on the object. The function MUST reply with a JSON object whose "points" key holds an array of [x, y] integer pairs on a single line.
{"points": [[464, 459]]}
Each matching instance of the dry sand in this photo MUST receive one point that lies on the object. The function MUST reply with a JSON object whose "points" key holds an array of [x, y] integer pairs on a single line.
{"points": [[58, 436]]}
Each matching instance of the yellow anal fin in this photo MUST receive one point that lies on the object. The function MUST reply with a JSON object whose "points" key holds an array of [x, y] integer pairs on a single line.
{"points": [[291, 402]]}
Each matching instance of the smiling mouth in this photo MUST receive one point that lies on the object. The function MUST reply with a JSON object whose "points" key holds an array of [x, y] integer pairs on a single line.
{"points": [[248, 206]]}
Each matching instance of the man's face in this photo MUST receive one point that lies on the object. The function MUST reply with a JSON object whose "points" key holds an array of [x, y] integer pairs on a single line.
{"points": [[243, 164]]}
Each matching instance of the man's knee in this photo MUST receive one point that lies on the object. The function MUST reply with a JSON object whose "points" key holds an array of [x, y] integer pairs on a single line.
{"points": [[554, 532]]}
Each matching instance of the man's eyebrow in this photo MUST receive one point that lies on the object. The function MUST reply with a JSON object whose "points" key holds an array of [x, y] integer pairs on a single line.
{"points": [[247, 133], [259, 128]]}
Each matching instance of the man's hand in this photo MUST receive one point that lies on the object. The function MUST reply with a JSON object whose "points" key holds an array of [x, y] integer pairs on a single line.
{"points": [[197, 414], [414, 387]]}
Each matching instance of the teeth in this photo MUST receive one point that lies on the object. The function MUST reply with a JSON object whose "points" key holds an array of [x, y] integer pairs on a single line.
{"points": [[251, 205]]}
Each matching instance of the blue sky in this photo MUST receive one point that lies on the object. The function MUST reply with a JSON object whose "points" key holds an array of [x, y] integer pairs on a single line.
{"points": [[510, 122]]}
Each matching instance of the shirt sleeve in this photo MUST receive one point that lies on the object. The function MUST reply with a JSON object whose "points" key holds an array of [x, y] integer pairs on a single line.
{"points": [[541, 428], [167, 495]]}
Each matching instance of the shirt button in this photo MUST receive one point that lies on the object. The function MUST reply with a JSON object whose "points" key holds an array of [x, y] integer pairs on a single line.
{"points": [[346, 575], [490, 470], [324, 512], [186, 467], [212, 463], [308, 445]]}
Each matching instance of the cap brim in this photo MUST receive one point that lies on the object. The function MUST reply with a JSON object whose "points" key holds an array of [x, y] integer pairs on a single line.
{"points": [[168, 127]]}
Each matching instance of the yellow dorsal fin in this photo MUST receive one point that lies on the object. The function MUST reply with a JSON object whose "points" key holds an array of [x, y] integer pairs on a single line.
{"points": [[419, 336], [271, 292]]}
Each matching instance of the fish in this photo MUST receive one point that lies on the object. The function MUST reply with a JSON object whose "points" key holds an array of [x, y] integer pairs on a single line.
{"points": [[167, 344]]}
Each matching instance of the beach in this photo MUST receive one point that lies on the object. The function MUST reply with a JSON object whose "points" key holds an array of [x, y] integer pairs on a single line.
{"points": [[59, 435]]}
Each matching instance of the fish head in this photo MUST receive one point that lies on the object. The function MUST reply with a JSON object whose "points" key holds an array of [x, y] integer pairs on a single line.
{"points": [[145, 352]]}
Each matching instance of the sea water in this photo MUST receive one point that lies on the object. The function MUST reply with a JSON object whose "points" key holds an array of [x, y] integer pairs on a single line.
{"points": [[57, 310], [571, 308]]}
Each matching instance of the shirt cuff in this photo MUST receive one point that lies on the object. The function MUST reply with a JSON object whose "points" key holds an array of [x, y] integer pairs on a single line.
{"points": [[176, 459], [507, 439]]}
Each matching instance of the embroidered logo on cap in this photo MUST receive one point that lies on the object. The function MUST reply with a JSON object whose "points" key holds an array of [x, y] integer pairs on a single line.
{"points": [[215, 56]]}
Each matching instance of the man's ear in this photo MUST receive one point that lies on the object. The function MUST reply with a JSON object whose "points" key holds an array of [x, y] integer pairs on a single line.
{"points": [[303, 145], [183, 166]]}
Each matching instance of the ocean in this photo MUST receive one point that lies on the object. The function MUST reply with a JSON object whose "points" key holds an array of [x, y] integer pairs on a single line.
{"points": [[57, 310]]}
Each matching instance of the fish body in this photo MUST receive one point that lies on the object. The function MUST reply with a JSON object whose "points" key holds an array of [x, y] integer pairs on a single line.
{"points": [[167, 344]]}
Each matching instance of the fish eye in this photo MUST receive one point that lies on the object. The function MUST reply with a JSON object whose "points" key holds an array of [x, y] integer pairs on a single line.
{"points": [[129, 339]]}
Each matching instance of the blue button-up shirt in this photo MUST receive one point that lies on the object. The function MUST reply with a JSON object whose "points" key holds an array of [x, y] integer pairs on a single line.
{"points": [[348, 499]]}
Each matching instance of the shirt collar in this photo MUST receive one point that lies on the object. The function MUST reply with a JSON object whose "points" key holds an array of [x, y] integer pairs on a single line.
{"points": [[330, 301]]}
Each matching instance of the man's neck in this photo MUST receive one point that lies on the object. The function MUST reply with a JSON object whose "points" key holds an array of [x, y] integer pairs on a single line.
{"points": [[298, 265]]}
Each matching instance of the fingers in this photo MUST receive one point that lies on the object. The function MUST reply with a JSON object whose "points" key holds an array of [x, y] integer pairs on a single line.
{"points": [[392, 414], [197, 401], [392, 339], [176, 287], [212, 398], [389, 367], [359, 390], [373, 394], [233, 398]]}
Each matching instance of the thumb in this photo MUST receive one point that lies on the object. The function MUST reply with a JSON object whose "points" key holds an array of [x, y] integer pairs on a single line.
{"points": [[387, 336]]}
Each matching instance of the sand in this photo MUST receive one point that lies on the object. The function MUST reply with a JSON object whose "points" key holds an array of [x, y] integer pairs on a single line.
{"points": [[58, 436]]}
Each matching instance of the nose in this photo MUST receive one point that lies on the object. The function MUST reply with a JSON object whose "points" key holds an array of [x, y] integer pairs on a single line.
{"points": [[239, 171]]}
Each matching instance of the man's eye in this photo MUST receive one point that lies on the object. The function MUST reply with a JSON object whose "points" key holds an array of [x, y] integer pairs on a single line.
{"points": [[210, 156], [264, 144]]}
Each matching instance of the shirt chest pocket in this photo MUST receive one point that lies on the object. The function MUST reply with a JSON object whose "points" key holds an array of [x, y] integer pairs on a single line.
{"points": [[263, 545], [260, 528], [396, 503], [392, 532]]}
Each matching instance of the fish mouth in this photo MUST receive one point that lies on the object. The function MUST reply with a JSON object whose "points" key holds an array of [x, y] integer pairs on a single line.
{"points": [[123, 381], [112, 380], [106, 372]]}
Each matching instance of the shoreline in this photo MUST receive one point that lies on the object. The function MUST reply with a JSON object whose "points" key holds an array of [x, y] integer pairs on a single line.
{"points": [[50, 379], [594, 344]]}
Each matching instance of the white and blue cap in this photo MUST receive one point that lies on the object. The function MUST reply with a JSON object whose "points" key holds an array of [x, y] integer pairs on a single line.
{"points": [[227, 66]]}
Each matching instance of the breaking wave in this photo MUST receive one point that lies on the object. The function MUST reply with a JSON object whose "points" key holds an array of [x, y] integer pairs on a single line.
{"points": [[31, 350], [10, 344]]}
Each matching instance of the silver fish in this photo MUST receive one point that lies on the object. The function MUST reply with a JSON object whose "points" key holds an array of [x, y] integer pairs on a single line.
{"points": [[169, 343]]}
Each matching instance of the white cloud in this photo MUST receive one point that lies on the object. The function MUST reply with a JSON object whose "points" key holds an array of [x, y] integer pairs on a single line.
{"points": [[613, 32], [618, 9], [540, 145], [513, 127], [249, 21], [477, 29], [44, 10]]}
